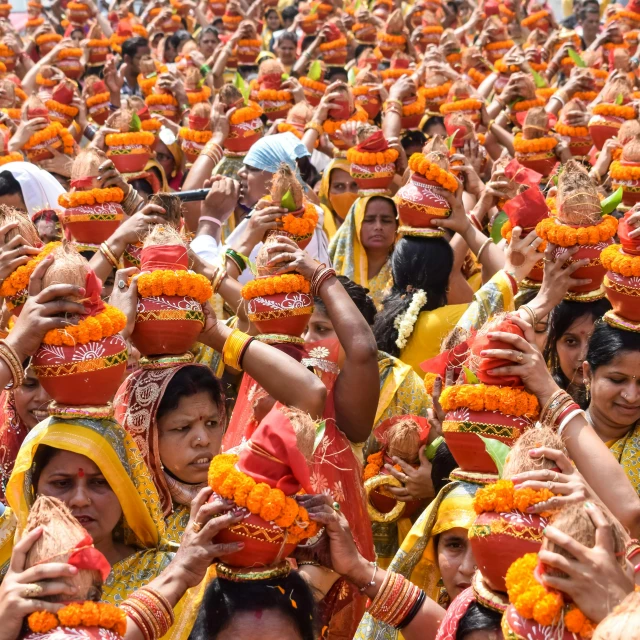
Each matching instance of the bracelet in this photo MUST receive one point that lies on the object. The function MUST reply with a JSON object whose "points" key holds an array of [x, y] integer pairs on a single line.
{"points": [[414, 610], [547, 404], [314, 126], [491, 123], [568, 418], [559, 98], [213, 151], [531, 313], [211, 219], [108, 254], [430, 451], [216, 281], [475, 222], [319, 277], [372, 582], [234, 347], [150, 611], [131, 202], [237, 258], [482, 248], [631, 548], [11, 359]]}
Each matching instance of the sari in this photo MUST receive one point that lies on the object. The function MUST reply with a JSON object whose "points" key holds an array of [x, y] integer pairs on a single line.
{"points": [[627, 452], [12, 433], [330, 223], [417, 557], [434, 326], [136, 408], [349, 257], [115, 453]]}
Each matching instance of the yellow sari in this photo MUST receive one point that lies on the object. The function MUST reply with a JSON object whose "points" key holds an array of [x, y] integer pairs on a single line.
{"points": [[627, 453], [349, 257], [416, 559], [330, 226]]}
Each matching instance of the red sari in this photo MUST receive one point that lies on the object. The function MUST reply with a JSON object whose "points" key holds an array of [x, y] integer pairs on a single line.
{"points": [[12, 433]]}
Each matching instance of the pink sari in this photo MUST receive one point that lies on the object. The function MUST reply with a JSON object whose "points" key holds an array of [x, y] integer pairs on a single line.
{"points": [[12, 433]]}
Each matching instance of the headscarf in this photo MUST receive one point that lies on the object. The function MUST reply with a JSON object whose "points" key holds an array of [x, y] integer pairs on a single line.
{"points": [[270, 152], [416, 559], [40, 190], [325, 184], [12, 432], [458, 609]]}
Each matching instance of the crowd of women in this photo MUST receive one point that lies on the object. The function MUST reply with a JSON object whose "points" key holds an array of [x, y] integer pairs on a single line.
{"points": [[320, 320]]}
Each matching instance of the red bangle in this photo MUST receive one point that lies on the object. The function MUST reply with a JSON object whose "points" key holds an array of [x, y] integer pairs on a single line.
{"points": [[571, 407]]}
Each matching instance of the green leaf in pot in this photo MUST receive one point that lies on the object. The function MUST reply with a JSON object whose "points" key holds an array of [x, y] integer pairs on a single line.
{"points": [[610, 204], [315, 71], [496, 227], [619, 99], [351, 76], [242, 86], [135, 125], [578, 61], [288, 202], [469, 376], [449, 140], [498, 451], [538, 79]]}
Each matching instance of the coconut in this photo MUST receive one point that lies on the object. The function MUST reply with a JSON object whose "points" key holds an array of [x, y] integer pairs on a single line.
{"points": [[519, 460], [366, 76], [464, 124], [439, 158], [449, 39], [536, 38], [34, 108], [528, 86], [436, 144], [578, 202], [535, 124], [61, 533], [305, 430], [395, 23], [285, 180], [8, 90], [50, 72], [403, 440], [92, 86], [469, 58], [68, 267], [591, 58], [163, 235], [86, 165], [120, 120], [627, 132], [496, 29], [430, 19], [623, 623], [192, 79], [460, 90], [200, 115], [147, 66], [230, 95], [25, 227], [619, 86], [575, 104], [172, 206], [300, 114], [270, 66], [134, 103], [631, 150]]}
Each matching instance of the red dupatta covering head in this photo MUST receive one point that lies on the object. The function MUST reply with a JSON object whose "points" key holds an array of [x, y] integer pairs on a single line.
{"points": [[12, 433], [456, 611]]}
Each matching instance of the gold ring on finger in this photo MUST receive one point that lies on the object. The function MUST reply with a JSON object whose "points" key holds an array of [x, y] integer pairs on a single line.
{"points": [[197, 527], [32, 591]]}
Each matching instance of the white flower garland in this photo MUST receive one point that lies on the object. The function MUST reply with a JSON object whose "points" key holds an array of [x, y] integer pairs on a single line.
{"points": [[406, 322]]}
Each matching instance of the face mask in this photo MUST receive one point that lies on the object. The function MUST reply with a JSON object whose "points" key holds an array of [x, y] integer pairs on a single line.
{"points": [[341, 203]]}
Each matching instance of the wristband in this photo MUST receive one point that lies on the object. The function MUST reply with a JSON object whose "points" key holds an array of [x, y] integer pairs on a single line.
{"points": [[211, 219], [430, 451]]}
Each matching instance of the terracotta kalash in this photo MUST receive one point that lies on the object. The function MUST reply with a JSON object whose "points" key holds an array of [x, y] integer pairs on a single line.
{"points": [[162, 102], [9, 101], [169, 316], [130, 148], [611, 112], [538, 17], [398, 67], [528, 99], [499, 42], [452, 47], [196, 91], [249, 46], [267, 90], [69, 61], [364, 32], [53, 136], [245, 124], [59, 105], [148, 76], [366, 92], [96, 97], [82, 365], [413, 108], [535, 145], [14, 287], [420, 201], [486, 406], [429, 32], [262, 477], [554, 614], [399, 437], [297, 118], [346, 110], [98, 46], [392, 38], [579, 138], [434, 90], [473, 67], [90, 213], [503, 530], [194, 137], [313, 83], [625, 172], [333, 51], [463, 100], [373, 163], [64, 540], [580, 223]]}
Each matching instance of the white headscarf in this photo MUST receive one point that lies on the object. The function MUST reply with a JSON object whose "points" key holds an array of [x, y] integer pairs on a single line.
{"points": [[40, 190]]}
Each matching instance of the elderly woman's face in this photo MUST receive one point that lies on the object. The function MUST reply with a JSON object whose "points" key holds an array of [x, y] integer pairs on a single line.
{"points": [[254, 184]]}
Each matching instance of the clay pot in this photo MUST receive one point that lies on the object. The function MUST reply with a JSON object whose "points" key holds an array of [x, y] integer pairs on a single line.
{"points": [[630, 188], [131, 256], [366, 35], [499, 539], [218, 8], [86, 633], [420, 204], [167, 325], [105, 220], [335, 57], [623, 293], [594, 270], [191, 149], [601, 128], [242, 136], [494, 55], [86, 374], [98, 56], [543, 162], [387, 49], [99, 113], [324, 10], [129, 162], [310, 25], [284, 313], [580, 147], [373, 177], [463, 428], [412, 122], [275, 109], [515, 627], [384, 504], [342, 112], [247, 55], [10, 61], [370, 102], [301, 241], [71, 67]]}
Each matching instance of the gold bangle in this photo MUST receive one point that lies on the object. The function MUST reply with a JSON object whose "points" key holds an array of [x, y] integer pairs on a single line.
{"points": [[217, 279], [108, 254], [531, 313], [234, 348], [314, 126], [491, 123], [13, 362], [482, 248]]}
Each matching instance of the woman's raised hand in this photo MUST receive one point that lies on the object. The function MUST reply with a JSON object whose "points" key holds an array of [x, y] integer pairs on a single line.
{"points": [[124, 296], [521, 254]]}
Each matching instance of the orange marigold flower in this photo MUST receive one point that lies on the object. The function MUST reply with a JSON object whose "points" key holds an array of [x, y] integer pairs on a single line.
{"points": [[552, 230], [174, 283], [285, 283]]}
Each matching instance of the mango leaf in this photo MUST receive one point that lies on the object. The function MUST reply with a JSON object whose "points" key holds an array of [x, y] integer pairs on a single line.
{"points": [[241, 85], [538, 79], [469, 376], [498, 451], [352, 76], [450, 139], [575, 56], [357, 7], [610, 204], [288, 202], [320, 429], [135, 124], [314, 9], [284, 76], [250, 265], [496, 228], [315, 71], [486, 63], [619, 99], [151, 75]]}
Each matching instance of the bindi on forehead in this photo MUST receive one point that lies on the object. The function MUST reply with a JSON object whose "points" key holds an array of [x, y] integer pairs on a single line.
{"points": [[80, 472]]}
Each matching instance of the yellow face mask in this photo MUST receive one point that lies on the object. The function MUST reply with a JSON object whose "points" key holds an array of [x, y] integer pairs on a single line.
{"points": [[341, 202]]}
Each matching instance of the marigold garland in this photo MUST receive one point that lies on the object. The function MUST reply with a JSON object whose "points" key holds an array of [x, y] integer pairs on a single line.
{"points": [[300, 226], [626, 172], [102, 43], [65, 109], [340, 43], [431, 93], [259, 498], [151, 125], [90, 197], [503, 496], [506, 232], [419, 163], [614, 259], [417, 106], [45, 82], [476, 76], [76, 614], [501, 67], [394, 74], [53, 130], [174, 283], [143, 138], [510, 401], [563, 235], [468, 104], [623, 111], [90, 329], [534, 602], [160, 99], [525, 105], [572, 132], [69, 52], [246, 114], [314, 85], [14, 156], [497, 46], [284, 283], [274, 95], [362, 90], [195, 97], [391, 38], [375, 463], [99, 98], [19, 279], [14, 114], [534, 17], [193, 135], [330, 127], [370, 158], [32, 23], [536, 145]]}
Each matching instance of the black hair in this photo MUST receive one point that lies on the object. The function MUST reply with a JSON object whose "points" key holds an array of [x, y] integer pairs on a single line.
{"points": [[179, 37], [287, 35], [307, 42], [360, 297], [416, 263], [433, 120], [271, 10], [308, 172], [223, 599], [442, 465], [218, 23], [607, 342], [333, 73], [478, 618], [187, 382], [359, 49], [590, 6], [143, 187], [289, 13], [412, 138], [130, 47], [43, 456], [9, 186], [561, 318]]}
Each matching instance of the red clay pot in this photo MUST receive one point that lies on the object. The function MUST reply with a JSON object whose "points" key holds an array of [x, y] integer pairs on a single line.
{"points": [[463, 428], [411, 122], [275, 110], [217, 8], [335, 57], [630, 188], [86, 374], [242, 136], [370, 102], [580, 147], [342, 112], [131, 256], [499, 539], [515, 627], [247, 55], [99, 112], [285, 313], [98, 55], [106, 219], [310, 26], [167, 325], [601, 128], [594, 270], [384, 504], [71, 67], [420, 204], [373, 177], [366, 35], [624, 295], [543, 162], [129, 162]]}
